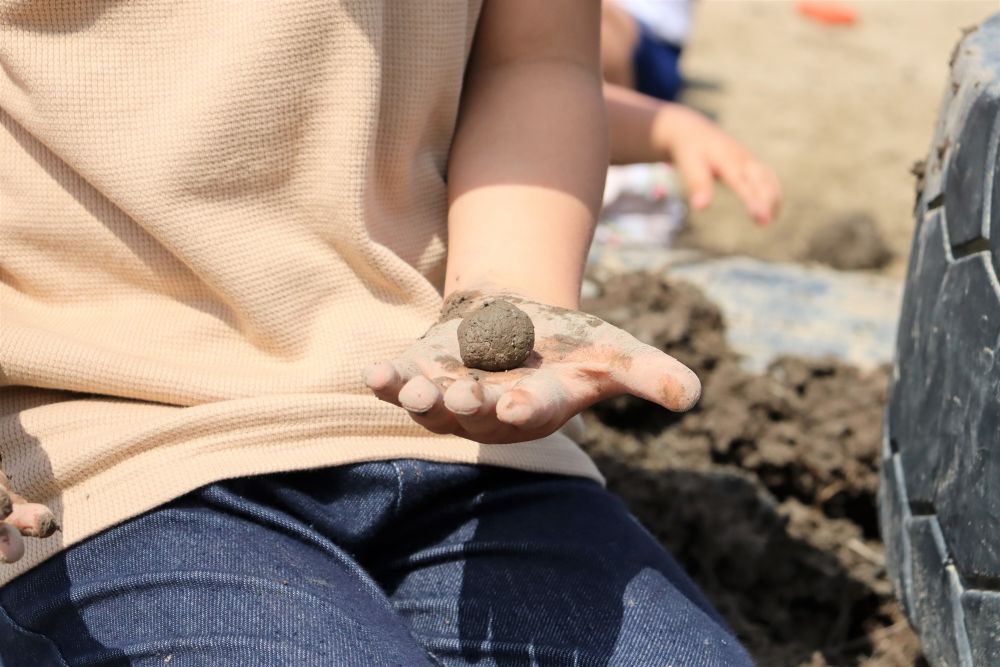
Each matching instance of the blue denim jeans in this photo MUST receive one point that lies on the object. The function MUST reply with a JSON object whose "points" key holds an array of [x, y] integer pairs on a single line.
{"points": [[405, 563], [656, 66]]}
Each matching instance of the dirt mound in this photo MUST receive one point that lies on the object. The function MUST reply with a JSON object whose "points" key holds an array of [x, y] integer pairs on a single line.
{"points": [[850, 242], [765, 491]]}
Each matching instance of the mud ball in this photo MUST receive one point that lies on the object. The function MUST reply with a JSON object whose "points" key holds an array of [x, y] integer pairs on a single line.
{"points": [[497, 337]]}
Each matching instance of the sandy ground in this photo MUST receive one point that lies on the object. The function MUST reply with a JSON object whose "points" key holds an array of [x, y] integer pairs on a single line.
{"points": [[841, 113]]}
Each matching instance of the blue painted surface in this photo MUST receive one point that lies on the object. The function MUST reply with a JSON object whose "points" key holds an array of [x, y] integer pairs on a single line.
{"points": [[774, 309]]}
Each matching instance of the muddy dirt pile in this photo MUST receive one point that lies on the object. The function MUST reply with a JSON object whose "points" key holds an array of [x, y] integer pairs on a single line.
{"points": [[765, 492], [850, 242]]}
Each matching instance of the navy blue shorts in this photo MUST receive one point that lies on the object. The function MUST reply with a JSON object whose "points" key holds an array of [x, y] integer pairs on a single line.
{"points": [[656, 66], [403, 562]]}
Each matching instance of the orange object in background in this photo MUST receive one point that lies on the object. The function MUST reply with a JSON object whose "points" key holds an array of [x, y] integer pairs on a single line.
{"points": [[828, 13]]}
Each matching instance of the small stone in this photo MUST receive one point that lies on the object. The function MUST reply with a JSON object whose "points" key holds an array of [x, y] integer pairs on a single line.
{"points": [[497, 337]]}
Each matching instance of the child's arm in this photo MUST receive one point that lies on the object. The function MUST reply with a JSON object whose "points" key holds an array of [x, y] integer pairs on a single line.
{"points": [[525, 178], [530, 153], [644, 129]]}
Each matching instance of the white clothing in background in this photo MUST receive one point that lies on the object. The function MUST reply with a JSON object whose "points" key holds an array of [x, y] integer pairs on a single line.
{"points": [[670, 20]]}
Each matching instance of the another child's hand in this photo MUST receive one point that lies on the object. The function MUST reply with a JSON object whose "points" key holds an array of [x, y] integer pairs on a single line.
{"points": [[577, 360], [702, 152], [20, 518]]}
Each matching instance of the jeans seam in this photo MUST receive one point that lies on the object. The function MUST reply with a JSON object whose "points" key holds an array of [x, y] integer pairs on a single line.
{"points": [[30, 633]]}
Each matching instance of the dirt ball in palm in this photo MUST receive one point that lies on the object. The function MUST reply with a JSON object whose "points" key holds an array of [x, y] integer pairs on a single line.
{"points": [[497, 337]]}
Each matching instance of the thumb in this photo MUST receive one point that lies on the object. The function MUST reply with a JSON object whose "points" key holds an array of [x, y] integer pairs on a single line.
{"points": [[658, 377]]}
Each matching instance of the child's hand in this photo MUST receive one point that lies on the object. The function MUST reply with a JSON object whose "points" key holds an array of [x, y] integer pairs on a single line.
{"points": [[19, 517], [578, 360], [702, 152]]}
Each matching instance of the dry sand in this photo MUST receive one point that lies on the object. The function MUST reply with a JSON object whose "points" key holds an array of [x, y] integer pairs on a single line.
{"points": [[841, 113]]}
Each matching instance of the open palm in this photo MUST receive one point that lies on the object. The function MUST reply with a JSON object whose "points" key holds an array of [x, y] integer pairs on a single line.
{"points": [[578, 359]]}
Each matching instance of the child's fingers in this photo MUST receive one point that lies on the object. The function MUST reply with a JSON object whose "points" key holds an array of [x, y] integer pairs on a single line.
{"points": [[436, 420], [5, 487], [6, 504], [465, 398], [734, 174], [424, 400], [386, 379], [473, 405], [658, 377], [32, 520], [419, 395], [740, 172], [766, 184], [696, 173], [534, 402], [11, 543]]}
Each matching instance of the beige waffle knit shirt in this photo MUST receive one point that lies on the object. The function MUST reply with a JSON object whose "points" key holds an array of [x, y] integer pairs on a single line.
{"points": [[213, 216]]}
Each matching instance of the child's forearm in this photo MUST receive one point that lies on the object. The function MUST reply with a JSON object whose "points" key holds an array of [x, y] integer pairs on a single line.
{"points": [[632, 121], [524, 182], [525, 175]]}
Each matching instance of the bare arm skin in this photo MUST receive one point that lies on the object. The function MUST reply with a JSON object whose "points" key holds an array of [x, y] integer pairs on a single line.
{"points": [[525, 177], [530, 154], [644, 129]]}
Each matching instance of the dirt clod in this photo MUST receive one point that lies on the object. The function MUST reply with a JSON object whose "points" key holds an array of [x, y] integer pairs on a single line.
{"points": [[765, 491], [849, 243], [497, 337]]}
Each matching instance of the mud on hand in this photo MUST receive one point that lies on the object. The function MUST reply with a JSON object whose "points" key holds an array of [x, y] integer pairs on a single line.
{"points": [[577, 360]]}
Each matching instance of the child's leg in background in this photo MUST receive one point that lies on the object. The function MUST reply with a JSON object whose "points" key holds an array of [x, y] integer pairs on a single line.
{"points": [[633, 56], [657, 67]]}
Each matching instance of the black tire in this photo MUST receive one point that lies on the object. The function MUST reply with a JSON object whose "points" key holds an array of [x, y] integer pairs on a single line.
{"points": [[940, 493]]}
